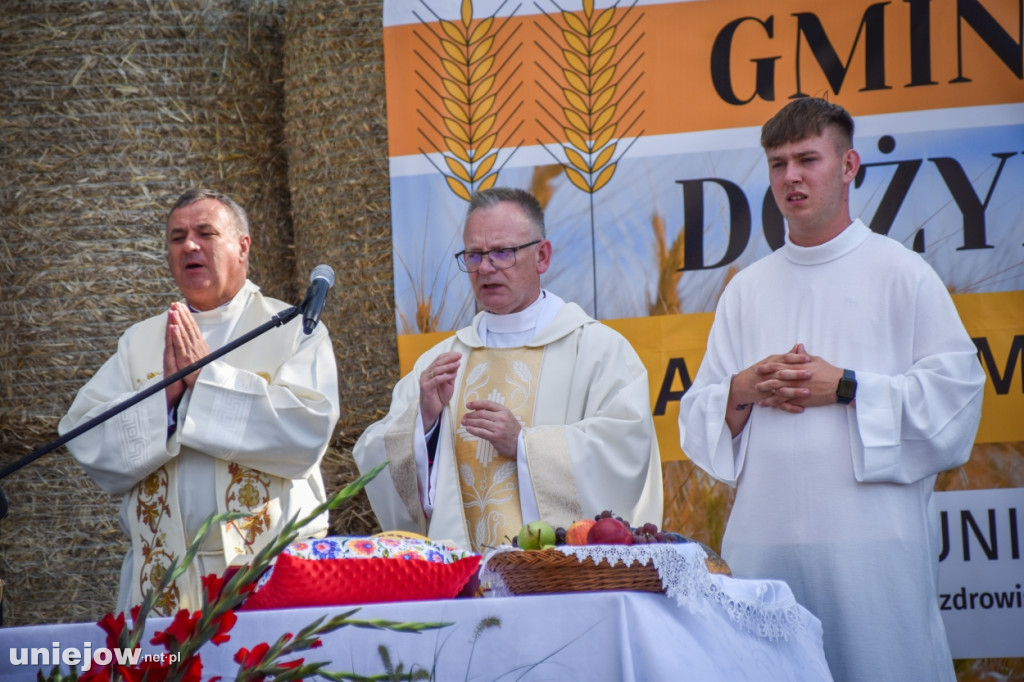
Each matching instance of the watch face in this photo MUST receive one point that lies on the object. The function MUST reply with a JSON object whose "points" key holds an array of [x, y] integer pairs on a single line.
{"points": [[847, 389]]}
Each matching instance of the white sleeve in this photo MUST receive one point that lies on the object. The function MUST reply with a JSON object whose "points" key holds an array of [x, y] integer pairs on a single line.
{"points": [[527, 496], [425, 474], [281, 426], [703, 432], [917, 423], [126, 448]]}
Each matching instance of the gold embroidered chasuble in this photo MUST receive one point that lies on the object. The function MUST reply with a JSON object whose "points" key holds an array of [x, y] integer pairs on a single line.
{"points": [[157, 528], [156, 519], [489, 481], [588, 439]]}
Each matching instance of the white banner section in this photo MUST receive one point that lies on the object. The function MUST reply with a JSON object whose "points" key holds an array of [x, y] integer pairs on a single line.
{"points": [[981, 572]]}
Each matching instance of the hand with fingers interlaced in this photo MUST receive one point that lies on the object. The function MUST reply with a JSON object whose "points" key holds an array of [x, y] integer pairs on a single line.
{"points": [[800, 380], [790, 381]]}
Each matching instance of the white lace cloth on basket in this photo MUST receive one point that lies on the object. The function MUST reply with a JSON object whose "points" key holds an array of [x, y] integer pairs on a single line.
{"points": [[765, 608]]}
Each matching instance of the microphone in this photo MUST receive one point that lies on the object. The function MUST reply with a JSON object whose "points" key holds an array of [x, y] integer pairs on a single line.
{"points": [[320, 281]]}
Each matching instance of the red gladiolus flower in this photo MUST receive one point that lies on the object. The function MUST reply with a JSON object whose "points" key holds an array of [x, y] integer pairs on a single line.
{"points": [[96, 674], [114, 627], [181, 627], [251, 659], [212, 584], [153, 670], [193, 668], [129, 674], [224, 623]]}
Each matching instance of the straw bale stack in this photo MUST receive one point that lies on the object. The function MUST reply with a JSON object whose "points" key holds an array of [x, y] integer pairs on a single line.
{"points": [[111, 108], [336, 137]]}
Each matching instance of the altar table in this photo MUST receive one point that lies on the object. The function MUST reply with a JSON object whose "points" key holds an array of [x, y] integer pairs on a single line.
{"points": [[594, 636]]}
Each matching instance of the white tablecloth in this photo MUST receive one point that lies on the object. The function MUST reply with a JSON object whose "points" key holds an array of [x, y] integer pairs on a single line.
{"points": [[579, 636]]}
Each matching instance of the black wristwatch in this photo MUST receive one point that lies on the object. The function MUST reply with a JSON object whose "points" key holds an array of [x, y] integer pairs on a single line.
{"points": [[847, 389]]}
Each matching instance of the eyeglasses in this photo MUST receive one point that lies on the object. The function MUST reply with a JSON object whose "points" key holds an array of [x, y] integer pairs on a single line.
{"points": [[501, 259]]}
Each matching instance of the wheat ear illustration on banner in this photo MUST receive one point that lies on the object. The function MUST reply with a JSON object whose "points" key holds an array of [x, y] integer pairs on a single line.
{"points": [[470, 97], [593, 102], [592, 94]]}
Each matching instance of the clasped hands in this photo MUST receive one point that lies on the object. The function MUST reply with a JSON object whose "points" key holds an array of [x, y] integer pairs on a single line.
{"points": [[485, 419], [183, 345], [790, 381]]}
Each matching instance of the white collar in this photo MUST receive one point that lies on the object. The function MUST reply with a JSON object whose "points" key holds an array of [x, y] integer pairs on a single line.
{"points": [[227, 310], [840, 245], [522, 321]]}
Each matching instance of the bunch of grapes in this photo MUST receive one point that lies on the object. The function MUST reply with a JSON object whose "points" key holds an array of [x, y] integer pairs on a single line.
{"points": [[645, 534], [648, 534], [608, 514]]}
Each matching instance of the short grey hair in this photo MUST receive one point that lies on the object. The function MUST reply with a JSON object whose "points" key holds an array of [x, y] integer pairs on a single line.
{"points": [[526, 201], [195, 194]]}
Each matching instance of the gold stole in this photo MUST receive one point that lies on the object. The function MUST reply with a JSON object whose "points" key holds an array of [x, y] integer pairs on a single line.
{"points": [[159, 535], [489, 482], [156, 520], [156, 505]]}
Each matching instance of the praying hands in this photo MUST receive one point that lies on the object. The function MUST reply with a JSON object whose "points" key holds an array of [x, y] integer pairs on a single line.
{"points": [[183, 345]]}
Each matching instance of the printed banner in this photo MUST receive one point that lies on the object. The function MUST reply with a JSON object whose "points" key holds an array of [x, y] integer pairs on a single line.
{"points": [[636, 125], [981, 571]]}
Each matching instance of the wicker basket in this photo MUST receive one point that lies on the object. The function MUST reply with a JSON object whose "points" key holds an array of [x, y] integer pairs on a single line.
{"points": [[548, 570]]}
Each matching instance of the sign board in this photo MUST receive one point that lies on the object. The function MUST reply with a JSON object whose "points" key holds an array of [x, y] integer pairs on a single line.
{"points": [[981, 571]]}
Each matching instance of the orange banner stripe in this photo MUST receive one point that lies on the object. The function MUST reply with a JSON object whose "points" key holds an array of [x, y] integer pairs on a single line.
{"points": [[663, 56]]}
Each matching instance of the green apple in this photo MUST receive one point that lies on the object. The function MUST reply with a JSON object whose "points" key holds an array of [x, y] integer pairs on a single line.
{"points": [[536, 535]]}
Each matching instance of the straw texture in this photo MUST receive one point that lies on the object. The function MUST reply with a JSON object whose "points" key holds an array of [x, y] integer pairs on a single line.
{"points": [[336, 142], [111, 108]]}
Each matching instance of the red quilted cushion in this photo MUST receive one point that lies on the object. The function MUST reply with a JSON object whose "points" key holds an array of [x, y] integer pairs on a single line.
{"points": [[299, 582]]}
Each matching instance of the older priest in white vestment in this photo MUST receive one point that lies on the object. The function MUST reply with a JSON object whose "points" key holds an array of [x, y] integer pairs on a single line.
{"points": [[245, 433], [834, 455], [535, 410]]}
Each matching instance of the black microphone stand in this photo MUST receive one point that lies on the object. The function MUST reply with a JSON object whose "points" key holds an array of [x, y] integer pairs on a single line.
{"points": [[276, 321]]}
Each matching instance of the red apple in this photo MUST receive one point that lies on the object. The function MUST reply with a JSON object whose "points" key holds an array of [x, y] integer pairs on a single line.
{"points": [[578, 532], [609, 532]]}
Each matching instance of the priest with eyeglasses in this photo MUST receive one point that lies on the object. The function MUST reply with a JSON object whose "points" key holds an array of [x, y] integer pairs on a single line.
{"points": [[533, 411]]}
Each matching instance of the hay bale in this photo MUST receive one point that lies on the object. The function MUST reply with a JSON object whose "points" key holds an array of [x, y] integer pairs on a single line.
{"points": [[111, 109], [336, 140], [62, 547]]}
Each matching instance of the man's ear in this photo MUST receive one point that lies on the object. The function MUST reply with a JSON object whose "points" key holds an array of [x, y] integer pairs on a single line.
{"points": [[543, 257], [851, 164], [244, 242]]}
